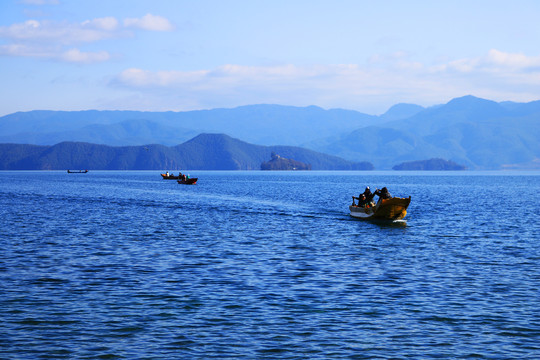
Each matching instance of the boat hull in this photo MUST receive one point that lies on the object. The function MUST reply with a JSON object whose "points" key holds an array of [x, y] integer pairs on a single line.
{"points": [[386, 209], [180, 179], [191, 181]]}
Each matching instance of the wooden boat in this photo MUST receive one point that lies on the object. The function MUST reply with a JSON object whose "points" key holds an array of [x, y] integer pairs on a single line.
{"points": [[386, 209], [170, 177], [182, 179], [77, 171], [188, 181]]}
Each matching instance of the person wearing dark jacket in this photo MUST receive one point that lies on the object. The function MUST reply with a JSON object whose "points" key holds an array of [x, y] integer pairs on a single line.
{"points": [[383, 193], [361, 200], [368, 194]]}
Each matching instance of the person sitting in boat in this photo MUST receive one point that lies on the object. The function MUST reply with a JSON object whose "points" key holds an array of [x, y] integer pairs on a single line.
{"points": [[368, 194], [167, 173], [362, 200], [383, 193]]}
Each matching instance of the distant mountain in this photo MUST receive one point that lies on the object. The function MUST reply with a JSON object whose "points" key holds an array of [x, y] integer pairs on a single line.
{"points": [[130, 132], [478, 133], [401, 111], [204, 152], [260, 124], [431, 164], [467, 109]]}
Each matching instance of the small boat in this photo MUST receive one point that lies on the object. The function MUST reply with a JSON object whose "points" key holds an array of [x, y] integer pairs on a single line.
{"points": [[77, 171], [182, 179], [170, 176], [386, 209], [188, 181]]}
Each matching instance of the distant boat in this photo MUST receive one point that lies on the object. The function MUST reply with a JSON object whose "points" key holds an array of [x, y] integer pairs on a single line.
{"points": [[386, 209], [77, 171], [182, 179], [168, 176], [188, 181]]}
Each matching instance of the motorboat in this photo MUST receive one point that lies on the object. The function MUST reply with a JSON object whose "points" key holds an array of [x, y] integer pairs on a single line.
{"points": [[188, 181], [168, 176], [181, 178], [391, 209]]}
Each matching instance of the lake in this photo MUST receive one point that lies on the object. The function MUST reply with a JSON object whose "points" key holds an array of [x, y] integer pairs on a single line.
{"points": [[268, 265]]}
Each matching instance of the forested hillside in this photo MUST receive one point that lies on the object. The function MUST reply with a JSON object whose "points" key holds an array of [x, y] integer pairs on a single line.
{"points": [[204, 152]]}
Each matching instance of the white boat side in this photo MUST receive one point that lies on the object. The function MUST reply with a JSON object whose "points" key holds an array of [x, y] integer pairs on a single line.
{"points": [[361, 212]]}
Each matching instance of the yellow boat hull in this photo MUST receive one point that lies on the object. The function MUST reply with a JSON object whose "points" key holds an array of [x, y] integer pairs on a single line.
{"points": [[386, 209]]}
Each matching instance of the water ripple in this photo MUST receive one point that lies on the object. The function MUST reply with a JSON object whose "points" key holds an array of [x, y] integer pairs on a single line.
{"points": [[266, 266]]}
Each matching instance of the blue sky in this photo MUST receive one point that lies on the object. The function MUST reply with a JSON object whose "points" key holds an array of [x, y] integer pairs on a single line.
{"points": [[180, 55]]}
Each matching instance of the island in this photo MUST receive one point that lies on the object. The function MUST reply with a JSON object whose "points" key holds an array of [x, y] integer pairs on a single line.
{"points": [[279, 163], [431, 164]]}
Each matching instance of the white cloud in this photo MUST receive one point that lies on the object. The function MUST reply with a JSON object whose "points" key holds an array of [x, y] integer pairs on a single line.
{"points": [[33, 31], [72, 55], [497, 76], [26, 30], [142, 78], [149, 22], [49, 39], [494, 62], [22, 50], [231, 85], [510, 60], [107, 23], [283, 78], [77, 56]]}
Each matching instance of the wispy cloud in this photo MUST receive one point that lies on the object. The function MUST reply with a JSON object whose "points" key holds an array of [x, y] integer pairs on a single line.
{"points": [[385, 79], [33, 31], [77, 56], [73, 55], [50, 39], [497, 61], [105, 24], [149, 22]]}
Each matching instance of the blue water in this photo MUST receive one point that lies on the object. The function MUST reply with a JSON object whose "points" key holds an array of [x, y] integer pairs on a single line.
{"points": [[268, 265]]}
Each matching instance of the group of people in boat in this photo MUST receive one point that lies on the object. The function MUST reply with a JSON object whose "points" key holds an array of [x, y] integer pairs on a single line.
{"points": [[366, 198], [181, 176]]}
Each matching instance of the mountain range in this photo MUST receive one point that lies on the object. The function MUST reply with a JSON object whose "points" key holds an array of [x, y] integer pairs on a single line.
{"points": [[473, 132], [204, 152]]}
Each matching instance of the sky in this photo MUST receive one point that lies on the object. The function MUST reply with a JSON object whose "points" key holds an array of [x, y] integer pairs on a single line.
{"points": [[180, 55]]}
